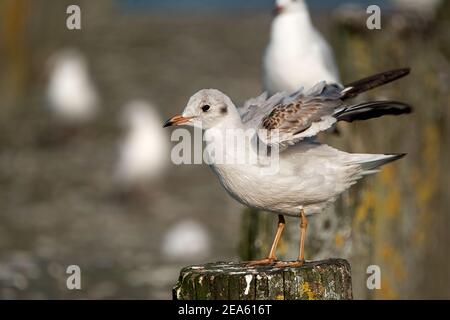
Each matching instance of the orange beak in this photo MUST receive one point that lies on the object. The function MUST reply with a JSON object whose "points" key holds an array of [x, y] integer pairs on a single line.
{"points": [[176, 121]]}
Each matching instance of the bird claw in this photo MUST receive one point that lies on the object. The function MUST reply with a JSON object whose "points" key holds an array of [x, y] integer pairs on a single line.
{"points": [[284, 264], [261, 262]]}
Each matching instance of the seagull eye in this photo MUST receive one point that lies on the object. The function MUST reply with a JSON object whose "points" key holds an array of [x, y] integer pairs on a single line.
{"points": [[205, 108]]}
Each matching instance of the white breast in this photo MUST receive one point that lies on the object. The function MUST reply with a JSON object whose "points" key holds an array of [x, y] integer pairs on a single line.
{"points": [[308, 177]]}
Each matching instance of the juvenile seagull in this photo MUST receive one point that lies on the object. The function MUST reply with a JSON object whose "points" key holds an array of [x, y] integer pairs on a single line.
{"points": [[311, 175], [297, 54]]}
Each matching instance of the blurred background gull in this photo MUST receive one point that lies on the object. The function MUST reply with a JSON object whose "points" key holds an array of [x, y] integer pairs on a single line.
{"points": [[143, 150], [71, 93], [59, 203], [186, 241], [297, 54]]}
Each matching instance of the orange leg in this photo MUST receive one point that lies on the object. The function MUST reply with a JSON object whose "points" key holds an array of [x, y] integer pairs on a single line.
{"points": [[303, 226], [272, 254], [301, 255]]}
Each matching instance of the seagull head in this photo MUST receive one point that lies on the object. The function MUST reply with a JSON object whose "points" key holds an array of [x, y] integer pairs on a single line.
{"points": [[288, 6], [206, 109]]}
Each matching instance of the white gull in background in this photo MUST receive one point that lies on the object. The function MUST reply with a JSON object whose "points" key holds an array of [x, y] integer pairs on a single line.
{"points": [[297, 54], [143, 151], [71, 93], [186, 240], [311, 175]]}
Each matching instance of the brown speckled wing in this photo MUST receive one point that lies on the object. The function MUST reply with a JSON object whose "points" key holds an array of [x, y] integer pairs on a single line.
{"points": [[283, 118], [298, 116]]}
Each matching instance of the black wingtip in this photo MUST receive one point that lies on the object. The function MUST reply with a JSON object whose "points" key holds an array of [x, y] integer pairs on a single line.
{"points": [[373, 109], [397, 156], [405, 71], [394, 157], [355, 88], [377, 163], [400, 73]]}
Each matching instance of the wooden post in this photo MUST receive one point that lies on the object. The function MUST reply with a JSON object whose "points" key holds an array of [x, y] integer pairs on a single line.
{"points": [[318, 280]]}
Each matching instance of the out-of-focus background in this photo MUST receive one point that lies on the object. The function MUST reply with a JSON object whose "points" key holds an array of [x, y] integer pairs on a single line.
{"points": [[77, 186]]}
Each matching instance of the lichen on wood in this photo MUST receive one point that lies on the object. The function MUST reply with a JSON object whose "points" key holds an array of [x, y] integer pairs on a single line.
{"points": [[319, 280]]}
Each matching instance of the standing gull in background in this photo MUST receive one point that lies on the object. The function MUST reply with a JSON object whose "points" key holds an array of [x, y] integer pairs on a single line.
{"points": [[71, 93], [311, 175], [297, 54], [143, 151]]}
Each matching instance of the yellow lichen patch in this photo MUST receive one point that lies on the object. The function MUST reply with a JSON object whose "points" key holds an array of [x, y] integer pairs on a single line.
{"points": [[425, 191], [391, 203], [279, 297], [367, 203], [426, 185], [339, 240], [386, 291], [394, 261], [387, 174], [306, 289], [387, 211], [425, 182]]}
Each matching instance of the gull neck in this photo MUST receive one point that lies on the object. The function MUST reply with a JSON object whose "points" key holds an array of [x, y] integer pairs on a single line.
{"points": [[292, 26]]}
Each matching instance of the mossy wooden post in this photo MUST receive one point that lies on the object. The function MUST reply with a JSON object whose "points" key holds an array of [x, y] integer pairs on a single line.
{"points": [[319, 280]]}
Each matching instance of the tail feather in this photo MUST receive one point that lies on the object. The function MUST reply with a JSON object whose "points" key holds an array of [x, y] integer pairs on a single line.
{"points": [[371, 162], [371, 110], [355, 88]]}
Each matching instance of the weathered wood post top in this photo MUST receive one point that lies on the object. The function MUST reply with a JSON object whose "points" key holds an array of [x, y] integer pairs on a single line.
{"points": [[327, 279]]}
